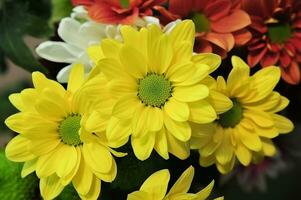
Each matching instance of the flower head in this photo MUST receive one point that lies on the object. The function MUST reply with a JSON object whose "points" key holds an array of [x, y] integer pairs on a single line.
{"points": [[55, 138], [244, 131], [118, 11], [77, 33], [220, 24], [276, 37], [155, 187], [156, 81]]}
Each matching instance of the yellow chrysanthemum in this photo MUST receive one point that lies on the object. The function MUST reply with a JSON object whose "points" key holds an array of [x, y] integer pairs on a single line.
{"points": [[156, 81], [245, 131], [55, 138], [155, 188]]}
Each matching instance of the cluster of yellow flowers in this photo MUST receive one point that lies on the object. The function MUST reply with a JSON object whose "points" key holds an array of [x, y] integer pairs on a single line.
{"points": [[152, 89]]}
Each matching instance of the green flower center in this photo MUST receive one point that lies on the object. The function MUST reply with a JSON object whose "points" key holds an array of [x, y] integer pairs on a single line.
{"points": [[124, 3], [154, 90], [279, 33], [202, 24], [233, 116], [69, 130]]}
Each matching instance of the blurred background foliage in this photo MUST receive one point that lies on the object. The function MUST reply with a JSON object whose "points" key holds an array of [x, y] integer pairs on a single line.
{"points": [[38, 19]]}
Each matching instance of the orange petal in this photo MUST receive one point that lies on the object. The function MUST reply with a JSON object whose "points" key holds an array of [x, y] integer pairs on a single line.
{"points": [[254, 57], [291, 74], [241, 37], [233, 22], [224, 41], [180, 7], [215, 10]]}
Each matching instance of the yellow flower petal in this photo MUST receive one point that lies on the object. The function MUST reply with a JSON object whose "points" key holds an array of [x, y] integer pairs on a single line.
{"points": [[210, 59], [49, 163], [117, 129], [156, 185], [261, 118], [76, 77], [94, 190], [111, 68], [243, 154], [283, 124], [176, 147], [138, 39], [268, 147], [266, 104], [225, 151], [183, 32], [176, 110], [16, 100], [133, 61], [182, 52], [125, 106], [138, 195], [180, 72], [264, 81], [181, 130], [29, 167], [139, 122], [204, 193], [96, 122], [95, 53], [42, 146], [182, 185], [40, 82], [239, 74], [68, 161], [249, 139], [206, 161], [282, 104], [219, 102], [143, 146], [201, 112], [160, 54], [154, 119], [191, 93], [50, 187], [161, 145], [17, 149], [83, 179], [50, 109], [98, 157], [110, 48]]}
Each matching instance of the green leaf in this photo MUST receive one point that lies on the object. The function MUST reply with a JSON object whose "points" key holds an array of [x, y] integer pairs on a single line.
{"points": [[12, 186], [17, 19], [60, 9]]}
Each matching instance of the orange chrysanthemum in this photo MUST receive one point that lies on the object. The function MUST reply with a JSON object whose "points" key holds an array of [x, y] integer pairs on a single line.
{"points": [[118, 11], [220, 24], [276, 30]]}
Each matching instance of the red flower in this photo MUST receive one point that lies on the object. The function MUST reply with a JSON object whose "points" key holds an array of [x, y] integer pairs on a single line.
{"points": [[118, 11], [276, 30], [220, 24]]}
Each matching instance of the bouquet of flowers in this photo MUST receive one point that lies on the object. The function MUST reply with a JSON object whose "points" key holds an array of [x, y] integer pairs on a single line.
{"points": [[151, 99]]}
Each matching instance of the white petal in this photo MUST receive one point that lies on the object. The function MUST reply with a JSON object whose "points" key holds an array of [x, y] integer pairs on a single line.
{"points": [[58, 52], [69, 31]]}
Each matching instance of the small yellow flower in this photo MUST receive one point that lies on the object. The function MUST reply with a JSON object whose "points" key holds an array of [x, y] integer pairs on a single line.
{"points": [[55, 139], [245, 131], [156, 81], [155, 188]]}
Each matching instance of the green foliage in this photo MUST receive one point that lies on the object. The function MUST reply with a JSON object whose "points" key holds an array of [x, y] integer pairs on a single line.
{"points": [[60, 9], [12, 186], [17, 19], [68, 193]]}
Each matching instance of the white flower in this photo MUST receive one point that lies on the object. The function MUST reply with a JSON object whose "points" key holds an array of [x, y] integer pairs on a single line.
{"points": [[77, 36]]}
